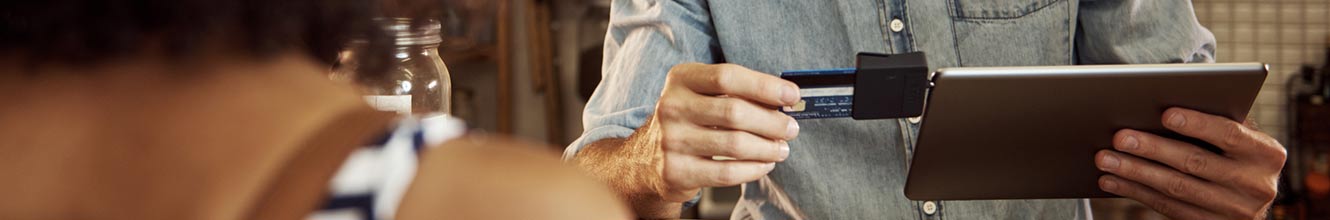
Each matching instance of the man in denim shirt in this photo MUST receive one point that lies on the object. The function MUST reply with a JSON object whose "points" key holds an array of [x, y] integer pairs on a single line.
{"points": [[686, 80]]}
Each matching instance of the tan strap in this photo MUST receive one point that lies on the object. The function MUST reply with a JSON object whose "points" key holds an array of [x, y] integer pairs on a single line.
{"points": [[303, 182]]}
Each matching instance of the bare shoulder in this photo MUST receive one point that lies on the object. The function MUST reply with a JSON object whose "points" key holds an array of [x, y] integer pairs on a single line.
{"points": [[486, 177]]}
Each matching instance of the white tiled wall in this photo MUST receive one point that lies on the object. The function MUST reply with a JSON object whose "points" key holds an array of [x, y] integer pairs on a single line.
{"points": [[1283, 33]]}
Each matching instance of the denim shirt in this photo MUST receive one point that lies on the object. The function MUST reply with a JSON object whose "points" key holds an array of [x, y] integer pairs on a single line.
{"points": [[847, 169]]}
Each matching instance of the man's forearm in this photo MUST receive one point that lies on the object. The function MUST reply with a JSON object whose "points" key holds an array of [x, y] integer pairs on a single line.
{"points": [[635, 180]]}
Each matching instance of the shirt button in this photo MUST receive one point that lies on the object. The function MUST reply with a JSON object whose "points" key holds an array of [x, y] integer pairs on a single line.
{"points": [[897, 25], [915, 120], [930, 207]]}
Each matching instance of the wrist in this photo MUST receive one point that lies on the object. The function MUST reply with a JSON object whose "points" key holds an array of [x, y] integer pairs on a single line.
{"points": [[650, 201], [630, 169]]}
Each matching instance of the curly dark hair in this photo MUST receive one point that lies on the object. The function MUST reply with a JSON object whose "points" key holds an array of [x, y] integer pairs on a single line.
{"points": [[83, 32]]}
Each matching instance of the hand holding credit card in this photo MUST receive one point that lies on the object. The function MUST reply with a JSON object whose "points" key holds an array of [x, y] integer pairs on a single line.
{"points": [[708, 111]]}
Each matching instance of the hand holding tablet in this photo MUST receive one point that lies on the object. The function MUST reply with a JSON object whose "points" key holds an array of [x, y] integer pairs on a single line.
{"points": [[1056, 132], [1192, 183]]}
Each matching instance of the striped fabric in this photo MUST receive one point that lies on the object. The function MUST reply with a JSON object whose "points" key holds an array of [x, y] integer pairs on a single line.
{"points": [[373, 179]]}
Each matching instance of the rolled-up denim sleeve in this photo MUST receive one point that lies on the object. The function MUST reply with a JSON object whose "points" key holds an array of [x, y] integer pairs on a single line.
{"points": [[645, 39], [1142, 31]]}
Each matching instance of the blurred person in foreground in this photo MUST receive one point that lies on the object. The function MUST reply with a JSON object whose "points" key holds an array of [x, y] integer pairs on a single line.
{"points": [[201, 109]]}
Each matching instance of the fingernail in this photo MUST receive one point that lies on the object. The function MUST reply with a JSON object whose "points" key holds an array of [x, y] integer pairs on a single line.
{"points": [[1109, 184], [1177, 120], [784, 150], [791, 130], [1129, 144], [789, 95], [1109, 162]]}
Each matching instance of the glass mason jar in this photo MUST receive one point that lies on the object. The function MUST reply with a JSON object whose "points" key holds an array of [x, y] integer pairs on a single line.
{"points": [[416, 82]]}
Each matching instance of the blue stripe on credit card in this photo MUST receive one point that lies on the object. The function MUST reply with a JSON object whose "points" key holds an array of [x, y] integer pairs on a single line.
{"points": [[840, 71], [825, 93]]}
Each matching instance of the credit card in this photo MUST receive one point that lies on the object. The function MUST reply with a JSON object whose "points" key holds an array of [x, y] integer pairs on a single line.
{"points": [[825, 93], [890, 86]]}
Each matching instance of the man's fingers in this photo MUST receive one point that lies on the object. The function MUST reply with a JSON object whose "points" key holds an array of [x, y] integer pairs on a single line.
{"points": [[735, 80], [737, 114], [697, 172], [1158, 201], [706, 142], [1234, 138], [1171, 183], [1177, 154]]}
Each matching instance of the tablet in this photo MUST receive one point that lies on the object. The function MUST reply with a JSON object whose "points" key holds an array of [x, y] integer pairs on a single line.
{"points": [[1032, 132]]}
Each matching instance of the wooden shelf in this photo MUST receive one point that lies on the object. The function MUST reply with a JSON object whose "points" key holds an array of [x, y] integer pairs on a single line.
{"points": [[480, 53]]}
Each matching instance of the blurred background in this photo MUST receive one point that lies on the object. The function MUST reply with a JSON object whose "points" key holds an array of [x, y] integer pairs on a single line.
{"points": [[526, 68]]}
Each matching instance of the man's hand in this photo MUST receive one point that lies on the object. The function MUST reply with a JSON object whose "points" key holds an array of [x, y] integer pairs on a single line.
{"points": [[704, 111], [718, 110], [1184, 181]]}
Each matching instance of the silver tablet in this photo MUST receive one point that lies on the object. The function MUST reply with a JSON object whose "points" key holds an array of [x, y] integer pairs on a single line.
{"points": [[1032, 132]]}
